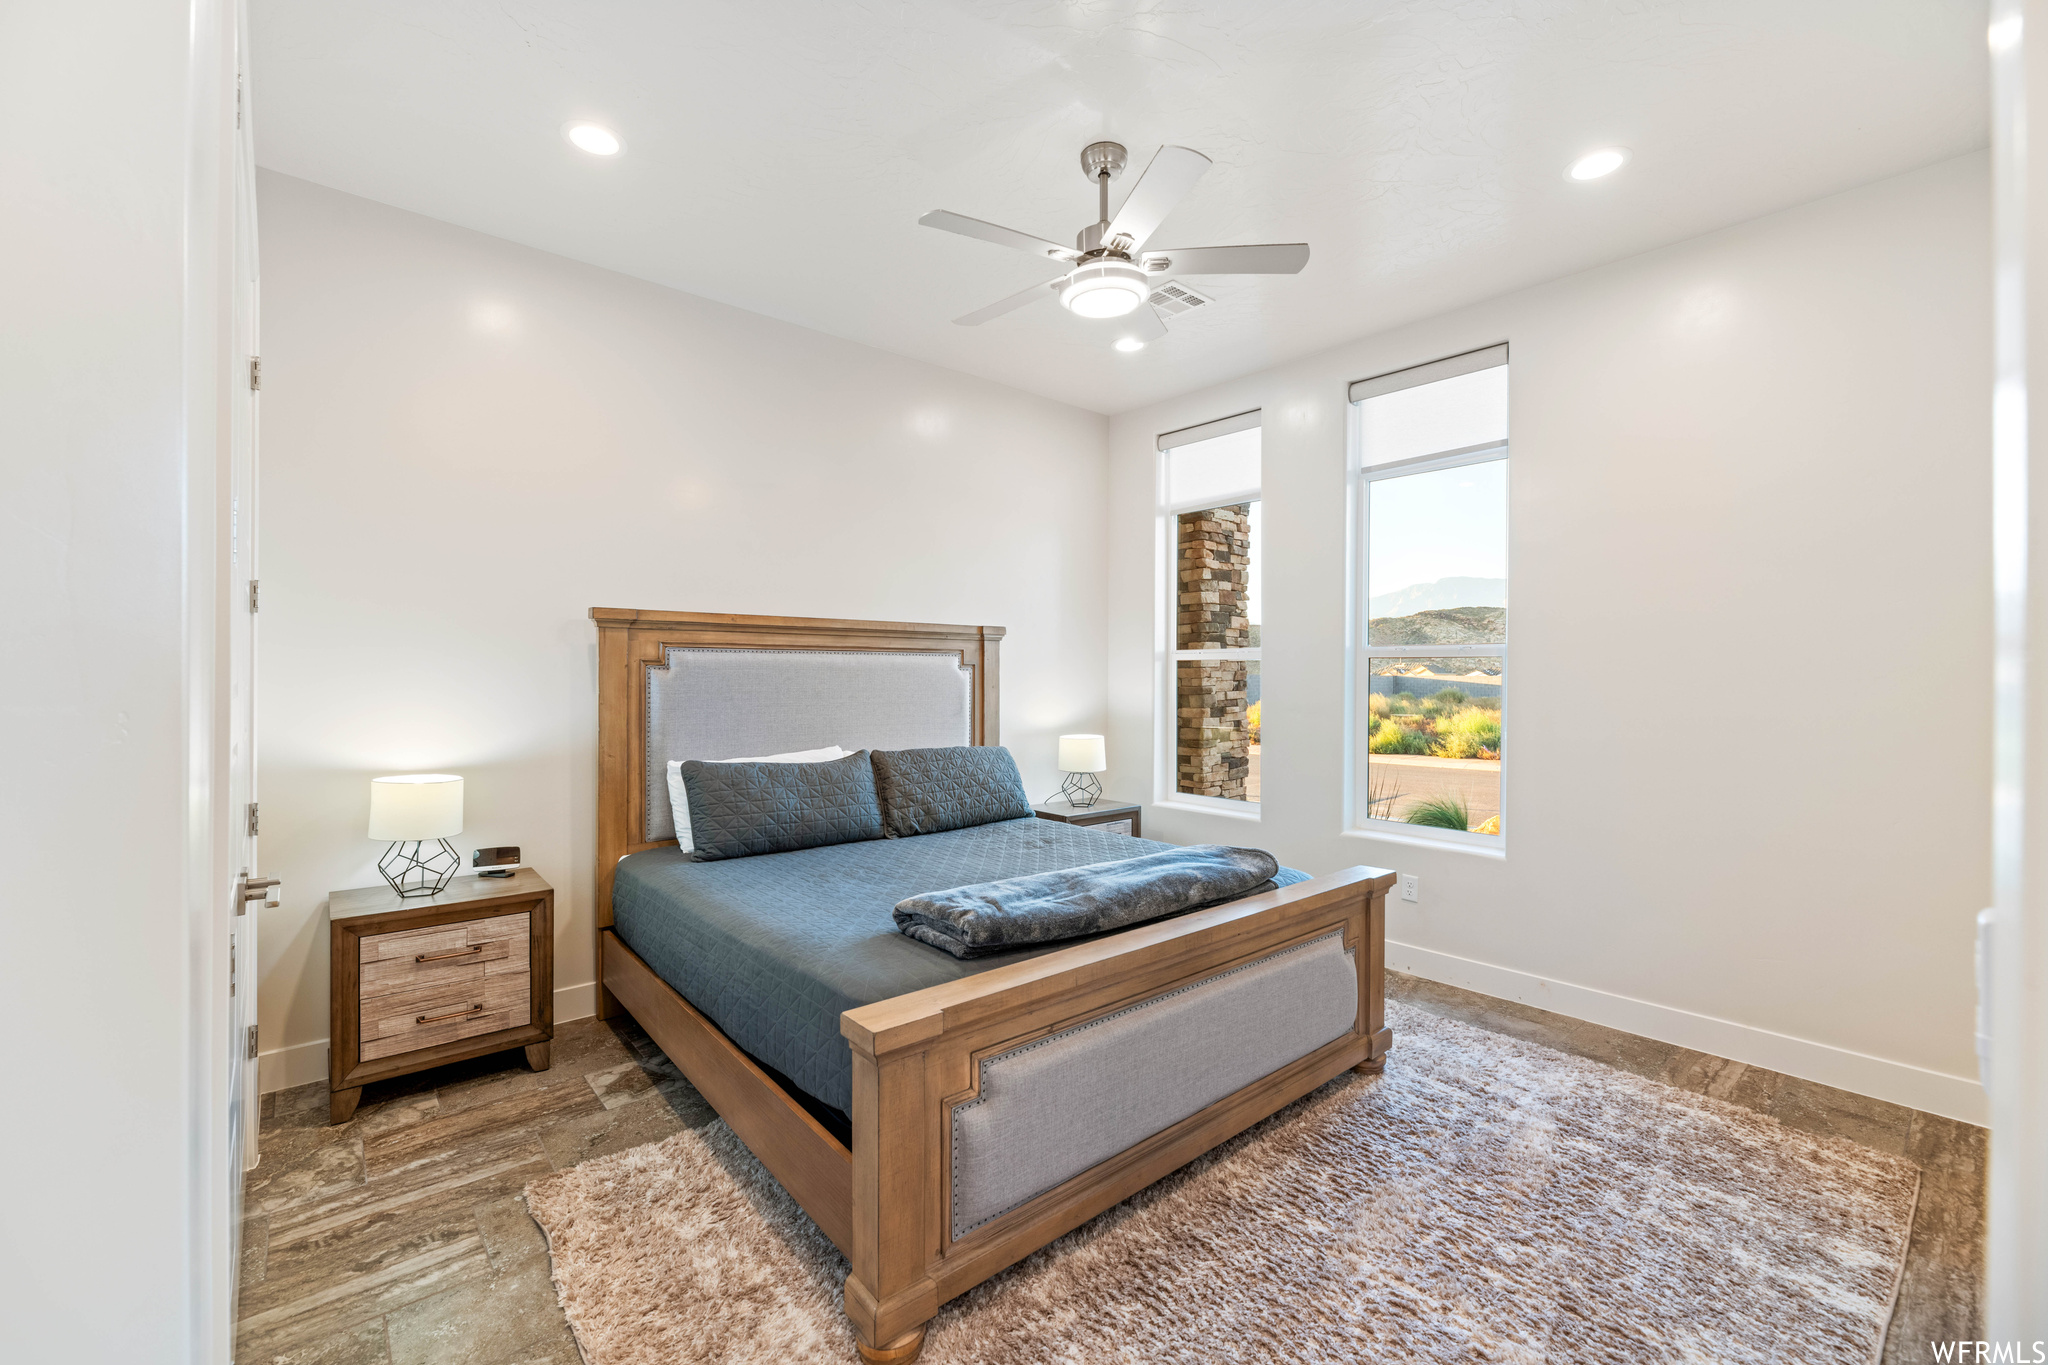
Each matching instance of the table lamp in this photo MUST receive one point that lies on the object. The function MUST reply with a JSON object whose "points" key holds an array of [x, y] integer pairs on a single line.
{"points": [[1081, 757], [410, 811]]}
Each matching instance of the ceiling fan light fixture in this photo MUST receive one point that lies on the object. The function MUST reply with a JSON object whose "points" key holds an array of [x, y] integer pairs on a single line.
{"points": [[1104, 289]]}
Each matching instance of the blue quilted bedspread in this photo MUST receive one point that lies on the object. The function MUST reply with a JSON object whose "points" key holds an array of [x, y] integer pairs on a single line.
{"points": [[773, 949]]}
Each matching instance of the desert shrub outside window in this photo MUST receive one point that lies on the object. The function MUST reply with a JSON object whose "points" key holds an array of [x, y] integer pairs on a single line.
{"points": [[1431, 677], [1213, 708]]}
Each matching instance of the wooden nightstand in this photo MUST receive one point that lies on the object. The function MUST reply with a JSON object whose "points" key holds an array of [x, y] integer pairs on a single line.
{"points": [[1112, 817], [416, 983]]}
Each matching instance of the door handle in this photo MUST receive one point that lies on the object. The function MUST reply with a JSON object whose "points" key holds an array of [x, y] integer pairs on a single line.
{"points": [[253, 889]]}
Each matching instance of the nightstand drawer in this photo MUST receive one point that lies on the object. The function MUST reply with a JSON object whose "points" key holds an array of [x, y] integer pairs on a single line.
{"points": [[454, 955], [406, 1021]]}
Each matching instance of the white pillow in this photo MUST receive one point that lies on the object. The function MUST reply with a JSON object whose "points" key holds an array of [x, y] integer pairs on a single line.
{"points": [[679, 799]]}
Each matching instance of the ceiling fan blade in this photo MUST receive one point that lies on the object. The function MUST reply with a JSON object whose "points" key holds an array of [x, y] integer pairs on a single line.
{"points": [[1271, 259], [1141, 324], [1001, 236], [1008, 305], [1173, 172]]}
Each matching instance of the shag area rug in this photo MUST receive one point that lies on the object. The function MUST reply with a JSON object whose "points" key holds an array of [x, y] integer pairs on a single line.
{"points": [[1486, 1200]]}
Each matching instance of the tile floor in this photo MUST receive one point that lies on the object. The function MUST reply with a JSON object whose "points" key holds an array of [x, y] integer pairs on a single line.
{"points": [[398, 1238]]}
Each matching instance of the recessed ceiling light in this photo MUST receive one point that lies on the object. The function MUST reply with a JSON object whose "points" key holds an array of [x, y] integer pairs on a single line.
{"points": [[1129, 344], [1593, 165], [594, 138]]}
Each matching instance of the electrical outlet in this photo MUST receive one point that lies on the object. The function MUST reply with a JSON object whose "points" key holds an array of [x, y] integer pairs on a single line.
{"points": [[1411, 887]]}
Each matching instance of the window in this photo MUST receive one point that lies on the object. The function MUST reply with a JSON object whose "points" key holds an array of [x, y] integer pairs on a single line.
{"points": [[1211, 483], [1430, 679]]}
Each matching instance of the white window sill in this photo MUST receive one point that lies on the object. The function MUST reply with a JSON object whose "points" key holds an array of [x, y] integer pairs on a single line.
{"points": [[1427, 841], [1249, 809]]}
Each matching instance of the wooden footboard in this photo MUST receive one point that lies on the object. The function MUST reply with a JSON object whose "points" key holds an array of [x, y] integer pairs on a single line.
{"points": [[796, 1148], [916, 1056]]}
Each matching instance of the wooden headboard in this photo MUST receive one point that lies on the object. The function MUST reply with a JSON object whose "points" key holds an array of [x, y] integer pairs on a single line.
{"points": [[630, 643]]}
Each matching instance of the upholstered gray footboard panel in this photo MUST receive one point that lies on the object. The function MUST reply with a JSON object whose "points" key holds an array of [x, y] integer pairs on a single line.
{"points": [[1053, 1108]]}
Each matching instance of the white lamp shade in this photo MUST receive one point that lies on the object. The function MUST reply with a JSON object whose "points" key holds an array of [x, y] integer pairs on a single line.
{"points": [[423, 806], [1082, 754]]}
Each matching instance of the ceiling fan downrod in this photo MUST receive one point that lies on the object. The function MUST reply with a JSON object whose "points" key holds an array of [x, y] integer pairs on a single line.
{"points": [[1101, 162]]}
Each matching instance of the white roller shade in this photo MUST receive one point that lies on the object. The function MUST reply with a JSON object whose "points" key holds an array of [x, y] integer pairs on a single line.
{"points": [[1222, 426], [1448, 368]]}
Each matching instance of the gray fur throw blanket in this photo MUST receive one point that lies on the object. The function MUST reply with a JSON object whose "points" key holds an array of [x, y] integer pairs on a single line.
{"points": [[1020, 912]]}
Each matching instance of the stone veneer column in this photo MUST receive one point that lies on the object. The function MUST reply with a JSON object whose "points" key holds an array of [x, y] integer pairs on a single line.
{"points": [[1213, 728]]}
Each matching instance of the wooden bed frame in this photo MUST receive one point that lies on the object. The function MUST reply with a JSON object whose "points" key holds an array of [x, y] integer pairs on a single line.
{"points": [[884, 1201]]}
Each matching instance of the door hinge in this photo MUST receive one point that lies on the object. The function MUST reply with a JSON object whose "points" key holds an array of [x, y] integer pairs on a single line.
{"points": [[252, 1042], [252, 595], [231, 967], [254, 820], [255, 371]]}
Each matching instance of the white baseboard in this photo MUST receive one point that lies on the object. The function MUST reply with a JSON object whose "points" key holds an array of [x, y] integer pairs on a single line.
{"points": [[1956, 1097], [282, 1068], [575, 1002], [303, 1063]]}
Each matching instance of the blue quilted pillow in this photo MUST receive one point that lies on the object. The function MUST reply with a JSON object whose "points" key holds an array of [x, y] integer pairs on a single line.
{"points": [[740, 809], [928, 791]]}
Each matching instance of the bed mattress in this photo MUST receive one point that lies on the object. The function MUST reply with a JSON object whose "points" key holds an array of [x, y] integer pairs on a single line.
{"points": [[773, 949]]}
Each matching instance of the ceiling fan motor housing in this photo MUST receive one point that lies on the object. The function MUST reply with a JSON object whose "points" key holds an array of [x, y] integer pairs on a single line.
{"points": [[1097, 240]]}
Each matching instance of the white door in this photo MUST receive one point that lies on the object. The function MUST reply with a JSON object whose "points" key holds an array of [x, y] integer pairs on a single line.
{"points": [[244, 1107]]}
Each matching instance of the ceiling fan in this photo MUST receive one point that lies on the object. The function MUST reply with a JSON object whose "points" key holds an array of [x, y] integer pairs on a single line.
{"points": [[1108, 273]]}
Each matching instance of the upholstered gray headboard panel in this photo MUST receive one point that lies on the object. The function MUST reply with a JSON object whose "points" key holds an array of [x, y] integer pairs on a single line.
{"points": [[733, 703]]}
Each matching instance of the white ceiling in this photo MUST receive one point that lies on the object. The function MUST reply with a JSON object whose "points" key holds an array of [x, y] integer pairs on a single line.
{"points": [[779, 152]]}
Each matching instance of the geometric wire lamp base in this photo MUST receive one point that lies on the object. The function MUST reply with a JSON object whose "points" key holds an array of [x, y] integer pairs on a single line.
{"points": [[412, 875], [1081, 789]]}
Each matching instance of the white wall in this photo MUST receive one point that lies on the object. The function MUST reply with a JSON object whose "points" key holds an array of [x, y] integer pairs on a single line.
{"points": [[1748, 703], [468, 444], [113, 982]]}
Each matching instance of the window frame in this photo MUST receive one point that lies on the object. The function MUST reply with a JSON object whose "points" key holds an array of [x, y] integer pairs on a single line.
{"points": [[1360, 653], [1166, 558]]}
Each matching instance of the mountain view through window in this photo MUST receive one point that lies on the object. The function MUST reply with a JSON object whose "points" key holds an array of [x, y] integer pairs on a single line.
{"points": [[1436, 599]]}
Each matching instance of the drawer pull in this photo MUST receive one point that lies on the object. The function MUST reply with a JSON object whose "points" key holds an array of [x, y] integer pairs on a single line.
{"points": [[452, 952], [451, 1014]]}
